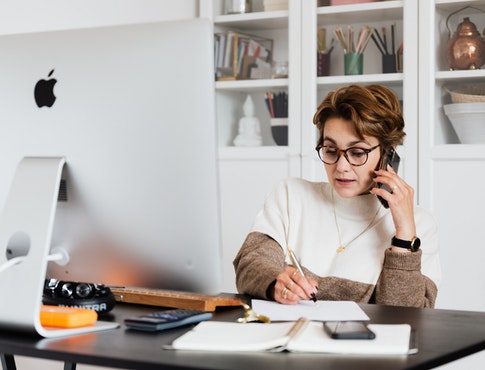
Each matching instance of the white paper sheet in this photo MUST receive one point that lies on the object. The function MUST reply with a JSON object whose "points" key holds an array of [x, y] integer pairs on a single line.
{"points": [[319, 311]]}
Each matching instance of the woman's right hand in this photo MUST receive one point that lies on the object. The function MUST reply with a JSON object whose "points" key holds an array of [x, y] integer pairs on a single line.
{"points": [[292, 287]]}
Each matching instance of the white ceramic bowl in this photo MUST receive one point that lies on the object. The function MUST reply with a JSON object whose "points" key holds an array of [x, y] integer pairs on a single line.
{"points": [[468, 120]]}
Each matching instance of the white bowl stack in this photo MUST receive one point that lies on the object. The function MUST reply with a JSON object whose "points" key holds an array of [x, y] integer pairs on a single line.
{"points": [[468, 120]]}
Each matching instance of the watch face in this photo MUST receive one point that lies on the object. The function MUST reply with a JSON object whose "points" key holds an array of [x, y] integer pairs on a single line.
{"points": [[415, 244]]}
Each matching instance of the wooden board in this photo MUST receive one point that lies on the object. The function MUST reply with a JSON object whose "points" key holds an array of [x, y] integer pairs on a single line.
{"points": [[171, 298]]}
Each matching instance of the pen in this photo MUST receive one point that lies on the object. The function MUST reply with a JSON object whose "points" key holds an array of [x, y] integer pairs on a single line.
{"points": [[377, 44], [295, 262], [383, 45]]}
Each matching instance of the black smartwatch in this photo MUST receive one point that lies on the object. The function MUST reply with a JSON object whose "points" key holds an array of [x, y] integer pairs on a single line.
{"points": [[413, 244]]}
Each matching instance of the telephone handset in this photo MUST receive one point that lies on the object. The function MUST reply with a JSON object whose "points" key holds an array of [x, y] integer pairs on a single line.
{"points": [[392, 159]]}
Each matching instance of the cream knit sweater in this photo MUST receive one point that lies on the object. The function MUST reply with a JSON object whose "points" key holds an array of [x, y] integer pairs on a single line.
{"points": [[300, 215]]}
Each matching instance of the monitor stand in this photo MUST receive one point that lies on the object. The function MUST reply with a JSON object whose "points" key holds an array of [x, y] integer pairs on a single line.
{"points": [[26, 225]]}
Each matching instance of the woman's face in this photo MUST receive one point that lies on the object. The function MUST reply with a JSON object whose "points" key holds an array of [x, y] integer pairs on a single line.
{"points": [[347, 180]]}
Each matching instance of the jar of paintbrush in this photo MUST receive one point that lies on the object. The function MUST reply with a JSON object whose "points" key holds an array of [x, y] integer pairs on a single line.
{"points": [[353, 49]]}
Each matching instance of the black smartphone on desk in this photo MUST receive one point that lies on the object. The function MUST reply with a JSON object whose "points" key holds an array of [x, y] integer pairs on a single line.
{"points": [[392, 159], [167, 319], [348, 330]]}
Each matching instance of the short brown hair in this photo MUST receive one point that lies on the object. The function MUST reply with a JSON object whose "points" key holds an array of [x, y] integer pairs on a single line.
{"points": [[374, 110]]}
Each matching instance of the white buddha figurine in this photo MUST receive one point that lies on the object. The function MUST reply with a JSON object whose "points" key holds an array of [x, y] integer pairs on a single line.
{"points": [[249, 133]]}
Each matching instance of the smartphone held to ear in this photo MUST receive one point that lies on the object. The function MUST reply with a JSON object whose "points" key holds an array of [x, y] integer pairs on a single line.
{"points": [[348, 330], [392, 159]]}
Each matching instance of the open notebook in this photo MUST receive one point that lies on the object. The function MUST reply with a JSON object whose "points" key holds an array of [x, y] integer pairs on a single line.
{"points": [[299, 336]]}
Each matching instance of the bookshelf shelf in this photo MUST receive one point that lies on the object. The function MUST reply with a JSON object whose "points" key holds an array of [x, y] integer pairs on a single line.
{"points": [[360, 13], [252, 85], [250, 21]]}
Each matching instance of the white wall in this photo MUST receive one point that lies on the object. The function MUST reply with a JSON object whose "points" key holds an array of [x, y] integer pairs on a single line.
{"points": [[20, 16], [33, 15]]}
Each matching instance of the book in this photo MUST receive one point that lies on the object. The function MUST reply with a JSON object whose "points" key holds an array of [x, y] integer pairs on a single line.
{"points": [[299, 336], [241, 56]]}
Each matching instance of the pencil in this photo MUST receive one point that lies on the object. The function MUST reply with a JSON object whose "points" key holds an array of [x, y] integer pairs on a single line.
{"points": [[393, 51]]}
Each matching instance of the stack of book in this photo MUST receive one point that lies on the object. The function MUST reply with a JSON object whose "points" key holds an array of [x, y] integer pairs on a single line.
{"points": [[242, 56]]}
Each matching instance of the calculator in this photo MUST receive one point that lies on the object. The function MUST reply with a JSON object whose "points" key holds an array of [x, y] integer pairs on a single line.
{"points": [[167, 319]]}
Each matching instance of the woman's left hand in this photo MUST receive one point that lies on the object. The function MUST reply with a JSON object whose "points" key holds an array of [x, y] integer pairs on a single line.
{"points": [[401, 201]]}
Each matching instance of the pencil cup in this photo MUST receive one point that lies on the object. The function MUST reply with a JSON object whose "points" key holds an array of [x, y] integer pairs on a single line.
{"points": [[279, 130], [353, 63], [389, 63], [323, 64]]}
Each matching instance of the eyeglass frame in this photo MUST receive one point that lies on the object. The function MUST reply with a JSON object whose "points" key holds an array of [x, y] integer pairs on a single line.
{"points": [[344, 151]]}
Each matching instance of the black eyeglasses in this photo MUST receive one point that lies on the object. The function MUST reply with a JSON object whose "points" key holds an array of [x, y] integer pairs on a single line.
{"points": [[355, 156]]}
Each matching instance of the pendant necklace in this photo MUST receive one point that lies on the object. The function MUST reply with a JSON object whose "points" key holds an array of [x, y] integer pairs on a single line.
{"points": [[342, 246]]}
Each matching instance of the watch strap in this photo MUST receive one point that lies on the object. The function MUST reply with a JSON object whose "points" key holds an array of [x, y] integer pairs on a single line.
{"points": [[413, 244]]}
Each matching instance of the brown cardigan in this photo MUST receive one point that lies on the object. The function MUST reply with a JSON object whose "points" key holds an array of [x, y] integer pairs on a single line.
{"points": [[261, 259]]}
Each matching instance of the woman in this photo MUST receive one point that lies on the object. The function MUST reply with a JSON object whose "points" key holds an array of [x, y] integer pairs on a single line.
{"points": [[350, 246]]}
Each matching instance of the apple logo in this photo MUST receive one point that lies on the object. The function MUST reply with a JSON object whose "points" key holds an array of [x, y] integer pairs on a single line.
{"points": [[44, 91]]}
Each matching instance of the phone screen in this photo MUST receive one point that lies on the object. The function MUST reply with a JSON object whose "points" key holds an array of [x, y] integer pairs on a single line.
{"points": [[348, 330], [392, 159]]}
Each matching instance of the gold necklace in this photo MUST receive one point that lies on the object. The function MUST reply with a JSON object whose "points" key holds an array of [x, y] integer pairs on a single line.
{"points": [[341, 246]]}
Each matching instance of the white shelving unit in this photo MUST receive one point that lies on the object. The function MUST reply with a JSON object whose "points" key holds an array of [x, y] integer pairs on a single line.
{"points": [[248, 174], [294, 33], [438, 134], [230, 95], [451, 174]]}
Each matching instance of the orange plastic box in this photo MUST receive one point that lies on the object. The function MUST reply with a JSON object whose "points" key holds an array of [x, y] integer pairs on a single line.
{"points": [[66, 317]]}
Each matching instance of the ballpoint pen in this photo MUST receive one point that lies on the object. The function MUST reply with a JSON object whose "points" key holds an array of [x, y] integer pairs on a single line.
{"points": [[295, 262]]}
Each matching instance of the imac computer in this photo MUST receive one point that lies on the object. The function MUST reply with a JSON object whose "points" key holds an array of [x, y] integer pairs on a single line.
{"points": [[130, 111]]}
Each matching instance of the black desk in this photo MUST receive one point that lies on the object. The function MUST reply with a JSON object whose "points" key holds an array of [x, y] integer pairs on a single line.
{"points": [[443, 336]]}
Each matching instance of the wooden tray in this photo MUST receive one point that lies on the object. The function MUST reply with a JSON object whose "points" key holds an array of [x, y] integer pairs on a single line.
{"points": [[171, 298]]}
